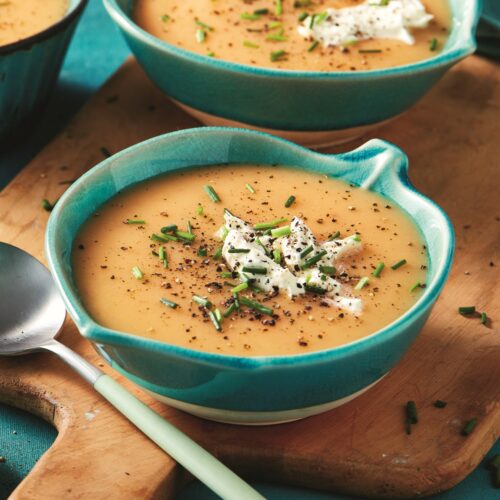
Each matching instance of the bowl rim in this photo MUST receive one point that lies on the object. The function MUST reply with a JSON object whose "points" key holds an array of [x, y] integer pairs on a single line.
{"points": [[444, 58], [102, 335], [26, 43]]}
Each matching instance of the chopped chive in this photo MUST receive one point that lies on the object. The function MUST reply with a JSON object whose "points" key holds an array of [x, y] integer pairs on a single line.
{"points": [[254, 270], [165, 18], [250, 45], [169, 303], [134, 221], [240, 288], [334, 236], [440, 404], [169, 229], [138, 274], [47, 206], [203, 25], [266, 251], [466, 310], [311, 22], [277, 37], [469, 427], [199, 210], [370, 51], [275, 24], [249, 17], [163, 237], [313, 46], [418, 284], [362, 283], [378, 270], [278, 55], [313, 260], [318, 290], [230, 310], [277, 255], [212, 194], [290, 201], [250, 188], [161, 253], [184, 235], [484, 318], [269, 225], [321, 17], [280, 231], [218, 253], [261, 12], [302, 3], [402, 262], [214, 320], [229, 283], [433, 44], [200, 35], [411, 412], [303, 16], [356, 237], [202, 301], [202, 252], [190, 227], [218, 315], [238, 250], [252, 304], [306, 252], [330, 270], [226, 274], [278, 9], [211, 54]]}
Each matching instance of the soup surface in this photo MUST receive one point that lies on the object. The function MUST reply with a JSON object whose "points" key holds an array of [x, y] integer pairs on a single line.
{"points": [[251, 33], [22, 18], [121, 275]]}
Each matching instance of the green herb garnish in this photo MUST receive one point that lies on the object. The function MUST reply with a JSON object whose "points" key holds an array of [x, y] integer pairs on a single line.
{"points": [[306, 252], [137, 273], [134, 221], [362, 283], [469, 426], [47, 206], [313, 260], [330, 270], [466, 310], [200, 35], [281, 231], [277, 255], [278, 9], [214, 320], [211, 193], [262, 226], [252, 304], [169, 229], [250, 45], [254, 270], [398, 264], [169, 303], [313, 46], [484, 318], [378, 269], [218, 253], [250, 188], [261, 12], [290, 201], [239, 288], [303, 16], [230, 310], [202, 252], [249, 17], [433, 44], [184, 235], [239, 250], [278, 55], [317, 290], [202, 301], [334, 236], [203, 25], [370, 51]]}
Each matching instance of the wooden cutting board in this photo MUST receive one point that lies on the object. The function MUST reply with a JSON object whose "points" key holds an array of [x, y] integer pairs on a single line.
{"points": [[453, 141]]}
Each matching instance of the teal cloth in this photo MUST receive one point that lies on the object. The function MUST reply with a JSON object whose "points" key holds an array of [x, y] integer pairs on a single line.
{"points": [[95, 53]]}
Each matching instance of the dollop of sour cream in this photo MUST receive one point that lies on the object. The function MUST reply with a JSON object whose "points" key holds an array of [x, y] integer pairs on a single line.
{"points": [[381, 19], [255, 250]]}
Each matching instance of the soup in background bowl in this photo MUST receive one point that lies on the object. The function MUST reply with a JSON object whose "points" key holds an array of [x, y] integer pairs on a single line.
{"points": [[285, 381], [305, 100], [34, 36]]}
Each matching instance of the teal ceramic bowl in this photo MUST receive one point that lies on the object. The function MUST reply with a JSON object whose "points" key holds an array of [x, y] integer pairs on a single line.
{"points": [[311, 108], [249, 390], [28, 71]]}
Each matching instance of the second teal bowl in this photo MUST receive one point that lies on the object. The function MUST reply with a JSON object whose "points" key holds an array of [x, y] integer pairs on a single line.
{"points": [[249, 389], [312, 108]]}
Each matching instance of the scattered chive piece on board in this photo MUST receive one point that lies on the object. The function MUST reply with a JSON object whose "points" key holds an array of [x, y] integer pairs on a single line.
{"points": [[238, 250], [137, 273], [417, 285], [230, 310], [306, 251], [484, 318], [202, 252], [303, 16], [203, 25], [250, 17], [134, 221], [250, 188], [254, 270], [370, 51], [168, 303], [440, 404], [362, 283], [469, 426], [314, 260], [378, 270], [313, 46], [226, 274], [218, 253], [261, 226], [278, 10], [411, 412], [467, 310], [278, 55], [169, 229], [199, 210], [165, 18], [202, 301], [218, 315], [334, 236], [200, 35], [239, 288], [212, 194], [261, 12], [277, 255], [317, 290], [214, 320], [290, 201], [47, 206], [398, 264], [250, 45], [433, 44], [330, 270], [184, 235]]}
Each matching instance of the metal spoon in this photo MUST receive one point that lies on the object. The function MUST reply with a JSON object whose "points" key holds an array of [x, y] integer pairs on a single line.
{"points": [[32, 314]]}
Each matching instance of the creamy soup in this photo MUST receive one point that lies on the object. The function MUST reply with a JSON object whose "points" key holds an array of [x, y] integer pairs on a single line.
{"points": [[22, 18], [164, 261], [310, 35]]}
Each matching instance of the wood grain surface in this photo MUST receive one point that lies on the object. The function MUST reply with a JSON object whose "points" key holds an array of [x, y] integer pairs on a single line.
{"points": [[453, 140]]}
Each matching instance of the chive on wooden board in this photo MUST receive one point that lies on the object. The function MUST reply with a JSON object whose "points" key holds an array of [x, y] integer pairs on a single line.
{"points": [[453, 140]]}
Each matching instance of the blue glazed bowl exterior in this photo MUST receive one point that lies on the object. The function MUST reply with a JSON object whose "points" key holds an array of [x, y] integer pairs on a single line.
{"points": [[28, 71], [293, 100], [256, 384]]}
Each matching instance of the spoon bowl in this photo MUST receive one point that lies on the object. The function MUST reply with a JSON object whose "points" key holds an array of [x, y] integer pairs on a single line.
{"points": [[31, 311]]}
